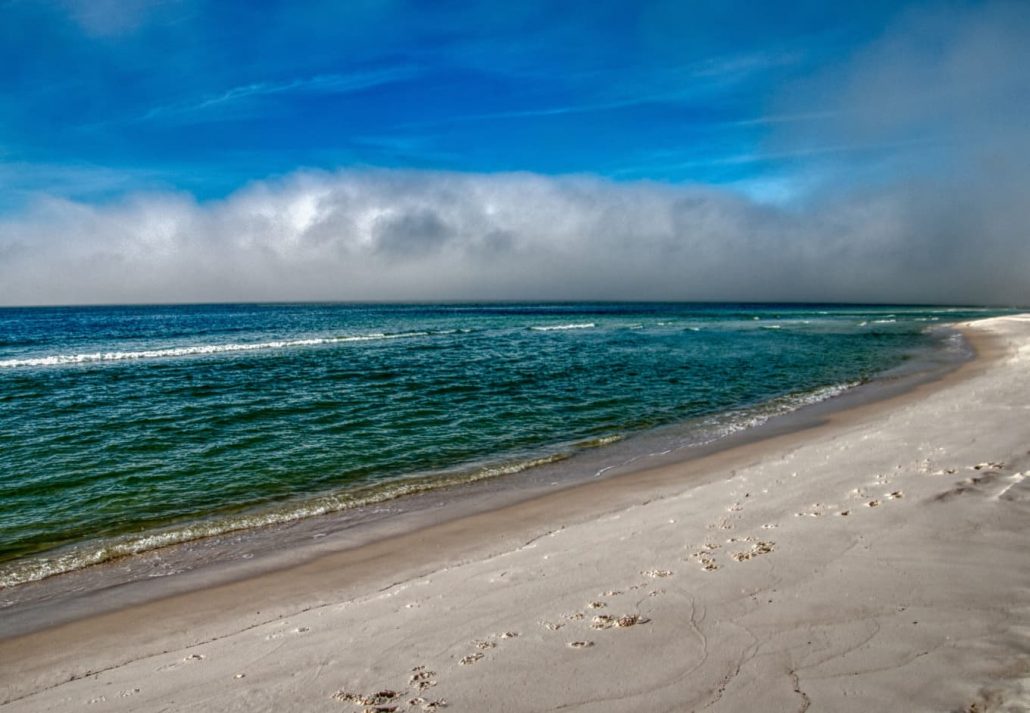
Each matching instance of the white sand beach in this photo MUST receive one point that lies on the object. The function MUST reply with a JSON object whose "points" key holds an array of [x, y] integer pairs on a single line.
{"points": [[877, 561]]}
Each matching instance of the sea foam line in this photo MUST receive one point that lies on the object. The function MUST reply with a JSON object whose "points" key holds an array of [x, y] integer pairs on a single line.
{"points": [[736, 420], [563, 327], [35, 568], [198, 350]]}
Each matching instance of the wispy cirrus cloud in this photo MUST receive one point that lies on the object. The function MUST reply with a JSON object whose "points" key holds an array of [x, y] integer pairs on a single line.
{"points": [[208, 107], [792, 118], [664, 162], [663, 85]]}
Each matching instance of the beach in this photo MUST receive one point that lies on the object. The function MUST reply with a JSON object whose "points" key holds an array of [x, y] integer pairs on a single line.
{"points": [[875, 560]]}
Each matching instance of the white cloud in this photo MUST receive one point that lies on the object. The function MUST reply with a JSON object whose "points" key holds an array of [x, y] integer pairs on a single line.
{"points": [[406, 235]]}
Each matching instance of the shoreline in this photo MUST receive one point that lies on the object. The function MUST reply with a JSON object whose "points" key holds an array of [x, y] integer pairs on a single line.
{"points": [[325, 470], [663, 514], [176, 568]]}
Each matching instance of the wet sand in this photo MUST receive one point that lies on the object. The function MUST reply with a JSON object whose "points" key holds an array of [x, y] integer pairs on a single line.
{"points": [[873, 561]]}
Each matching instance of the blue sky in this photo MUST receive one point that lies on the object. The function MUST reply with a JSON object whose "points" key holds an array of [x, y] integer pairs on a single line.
{"points": [[183, 150], [100, 97]]}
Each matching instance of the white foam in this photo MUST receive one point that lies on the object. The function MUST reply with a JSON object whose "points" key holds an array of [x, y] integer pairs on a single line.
{"points": [[732, 422], [563, 327], [198, 350], [37, 568], [602, 441]]}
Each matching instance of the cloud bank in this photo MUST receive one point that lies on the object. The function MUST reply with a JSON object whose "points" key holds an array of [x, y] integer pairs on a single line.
{"points": [[406, 235]]}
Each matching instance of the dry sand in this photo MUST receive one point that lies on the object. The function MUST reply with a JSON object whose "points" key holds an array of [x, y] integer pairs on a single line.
{"points": [[876, 562]]}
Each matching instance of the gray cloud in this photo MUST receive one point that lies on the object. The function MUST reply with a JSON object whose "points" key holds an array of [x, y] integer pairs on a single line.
{"points": [[402, 235]]}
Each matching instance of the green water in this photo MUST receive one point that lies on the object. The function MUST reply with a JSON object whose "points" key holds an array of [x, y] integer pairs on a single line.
{"points": [[123, 428]]}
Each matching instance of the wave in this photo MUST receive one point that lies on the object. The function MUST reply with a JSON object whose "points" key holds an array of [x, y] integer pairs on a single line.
{"points": [[602, 441], [731, 422], [33, 569], [563, 327], [77, 557], [198, 350]]}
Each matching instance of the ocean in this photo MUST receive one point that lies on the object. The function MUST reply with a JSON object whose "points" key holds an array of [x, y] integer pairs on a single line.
{"points": [[126, 429]]}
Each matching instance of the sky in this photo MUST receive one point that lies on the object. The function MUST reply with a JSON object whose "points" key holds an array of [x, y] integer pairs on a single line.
{"points": [[387, 150]]}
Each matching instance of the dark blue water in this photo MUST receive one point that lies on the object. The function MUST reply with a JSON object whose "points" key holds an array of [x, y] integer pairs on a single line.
{"points": [[126, 428]]}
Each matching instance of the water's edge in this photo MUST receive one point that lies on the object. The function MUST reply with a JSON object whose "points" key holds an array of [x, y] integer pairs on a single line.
{"points": [[166, 568]]}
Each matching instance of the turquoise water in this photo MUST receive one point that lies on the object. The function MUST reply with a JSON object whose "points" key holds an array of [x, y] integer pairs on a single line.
{"points": [[126, 428]]}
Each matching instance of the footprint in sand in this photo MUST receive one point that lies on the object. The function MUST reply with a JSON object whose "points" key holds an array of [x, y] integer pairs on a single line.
{"points": [[580, 644], [379, 702], [657, 573], [705, 556], [388, 700], [988, 465], [708, 563], [491, 643], [758, 548], [421, 678], [604, 621]]}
